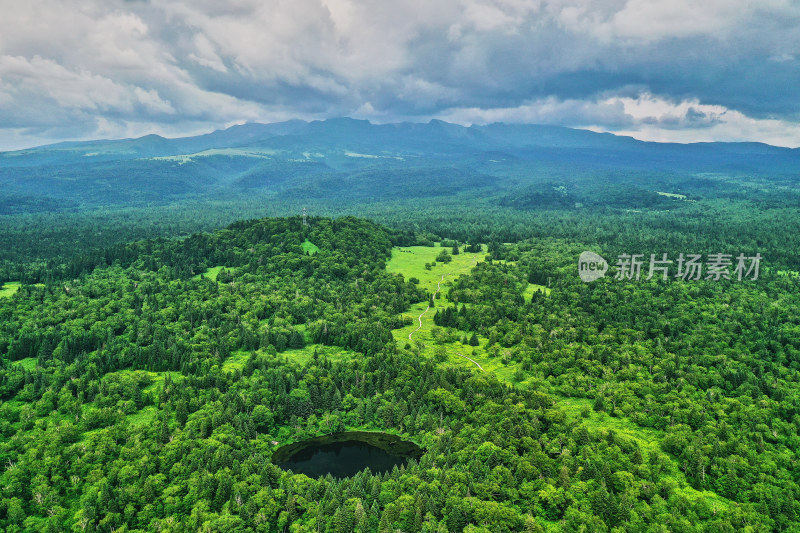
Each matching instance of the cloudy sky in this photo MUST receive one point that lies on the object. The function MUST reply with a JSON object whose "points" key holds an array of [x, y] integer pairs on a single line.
{"points": [[676, 70]]}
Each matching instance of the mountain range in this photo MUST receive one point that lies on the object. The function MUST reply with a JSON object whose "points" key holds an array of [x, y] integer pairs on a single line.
{"points": [[360, 161]]}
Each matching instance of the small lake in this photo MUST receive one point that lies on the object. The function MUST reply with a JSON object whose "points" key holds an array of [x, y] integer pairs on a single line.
{"points": [[346, 454]]}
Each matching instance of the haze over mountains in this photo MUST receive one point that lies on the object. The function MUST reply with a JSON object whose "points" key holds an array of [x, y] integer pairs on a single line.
{"points": [[362, 161]]}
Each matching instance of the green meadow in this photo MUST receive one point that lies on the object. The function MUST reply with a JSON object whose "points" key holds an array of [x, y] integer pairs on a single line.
{"points": [[236, 361], [9, 289], [309, 247], [212, 273], [300, 356], [533, 288], [410, 262], [29, 363], [429, 340], [449, 347], [648, 439], [143, 417]]}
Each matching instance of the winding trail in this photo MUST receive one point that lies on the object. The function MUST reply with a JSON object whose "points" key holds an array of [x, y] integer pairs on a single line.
{"points": [[419, 318], [438, 288], [471, 359]]}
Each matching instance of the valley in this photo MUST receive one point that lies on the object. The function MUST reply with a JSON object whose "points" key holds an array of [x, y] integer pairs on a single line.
{"points": [[156, 354]]}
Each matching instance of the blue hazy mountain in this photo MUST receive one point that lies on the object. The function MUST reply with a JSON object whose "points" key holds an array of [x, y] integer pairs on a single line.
{"points": [[359, 161]]}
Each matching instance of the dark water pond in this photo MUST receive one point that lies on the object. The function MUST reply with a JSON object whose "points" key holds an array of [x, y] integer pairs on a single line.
{"points": [[346, 454]]}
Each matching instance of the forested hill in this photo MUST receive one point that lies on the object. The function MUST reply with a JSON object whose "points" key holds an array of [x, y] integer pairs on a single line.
{"points": [[353, 159], [150, 392], [481, 183], [118, 406], [264, 267]]}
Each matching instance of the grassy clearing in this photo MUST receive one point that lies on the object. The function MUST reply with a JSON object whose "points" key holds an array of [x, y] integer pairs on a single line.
{"points": [[648, 439], [159, 378], [424, 344], [309, 247], [532, 288], [236, 361], [301, 356], [142, 417], [401, 335], [29, 363], [211, 273], [410, 262], [145, 415], [9, 289], [489, 364], [156, 377]]}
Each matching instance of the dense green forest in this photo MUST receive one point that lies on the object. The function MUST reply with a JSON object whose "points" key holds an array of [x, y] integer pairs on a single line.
{"points": [[168, 320], [145, 387], [502, 183]]}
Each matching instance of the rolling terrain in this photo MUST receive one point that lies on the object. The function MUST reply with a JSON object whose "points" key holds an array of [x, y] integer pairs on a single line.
{"points": [[68, 202], [355, 161]]}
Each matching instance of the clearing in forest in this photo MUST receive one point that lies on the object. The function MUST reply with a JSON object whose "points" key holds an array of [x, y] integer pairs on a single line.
{"points": [[309, 247], [410, 262], [212, 273], [647, 439], [9, 289], [532, 288], [453, 347], [301, 356], [29, 363]]}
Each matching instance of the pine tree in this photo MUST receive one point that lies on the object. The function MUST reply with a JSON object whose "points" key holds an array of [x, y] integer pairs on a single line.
{"points": [[181, 412], [637, 456]]}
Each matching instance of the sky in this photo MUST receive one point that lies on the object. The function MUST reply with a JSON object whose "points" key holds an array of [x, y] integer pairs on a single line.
{"points": [[661, 70]]}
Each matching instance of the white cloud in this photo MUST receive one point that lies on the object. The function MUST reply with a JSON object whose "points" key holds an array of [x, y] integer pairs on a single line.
{"points": [[550, 110], [645, 117], [733, 127], [40, 78], [100, 66], [206, 55], [645, 21]]}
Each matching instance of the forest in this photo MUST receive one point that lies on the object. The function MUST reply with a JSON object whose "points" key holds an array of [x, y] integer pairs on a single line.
{"points": [[169, 320], [145, 386]]}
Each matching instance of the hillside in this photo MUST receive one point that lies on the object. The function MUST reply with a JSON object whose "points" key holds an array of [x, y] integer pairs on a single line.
{"points": [[298, 160], [150, 393], [495, 182]]}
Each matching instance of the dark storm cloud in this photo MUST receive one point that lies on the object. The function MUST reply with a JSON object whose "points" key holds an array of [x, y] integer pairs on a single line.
{"points": [[678, 69]]}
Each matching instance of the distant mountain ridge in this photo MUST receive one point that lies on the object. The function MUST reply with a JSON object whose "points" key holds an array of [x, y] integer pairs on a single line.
{"points": [[357, 161], [477, 136]]}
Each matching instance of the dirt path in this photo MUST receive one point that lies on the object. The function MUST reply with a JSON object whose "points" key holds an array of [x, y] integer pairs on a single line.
{"points": [[438, 288], [471, 359], [419, 318]]}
